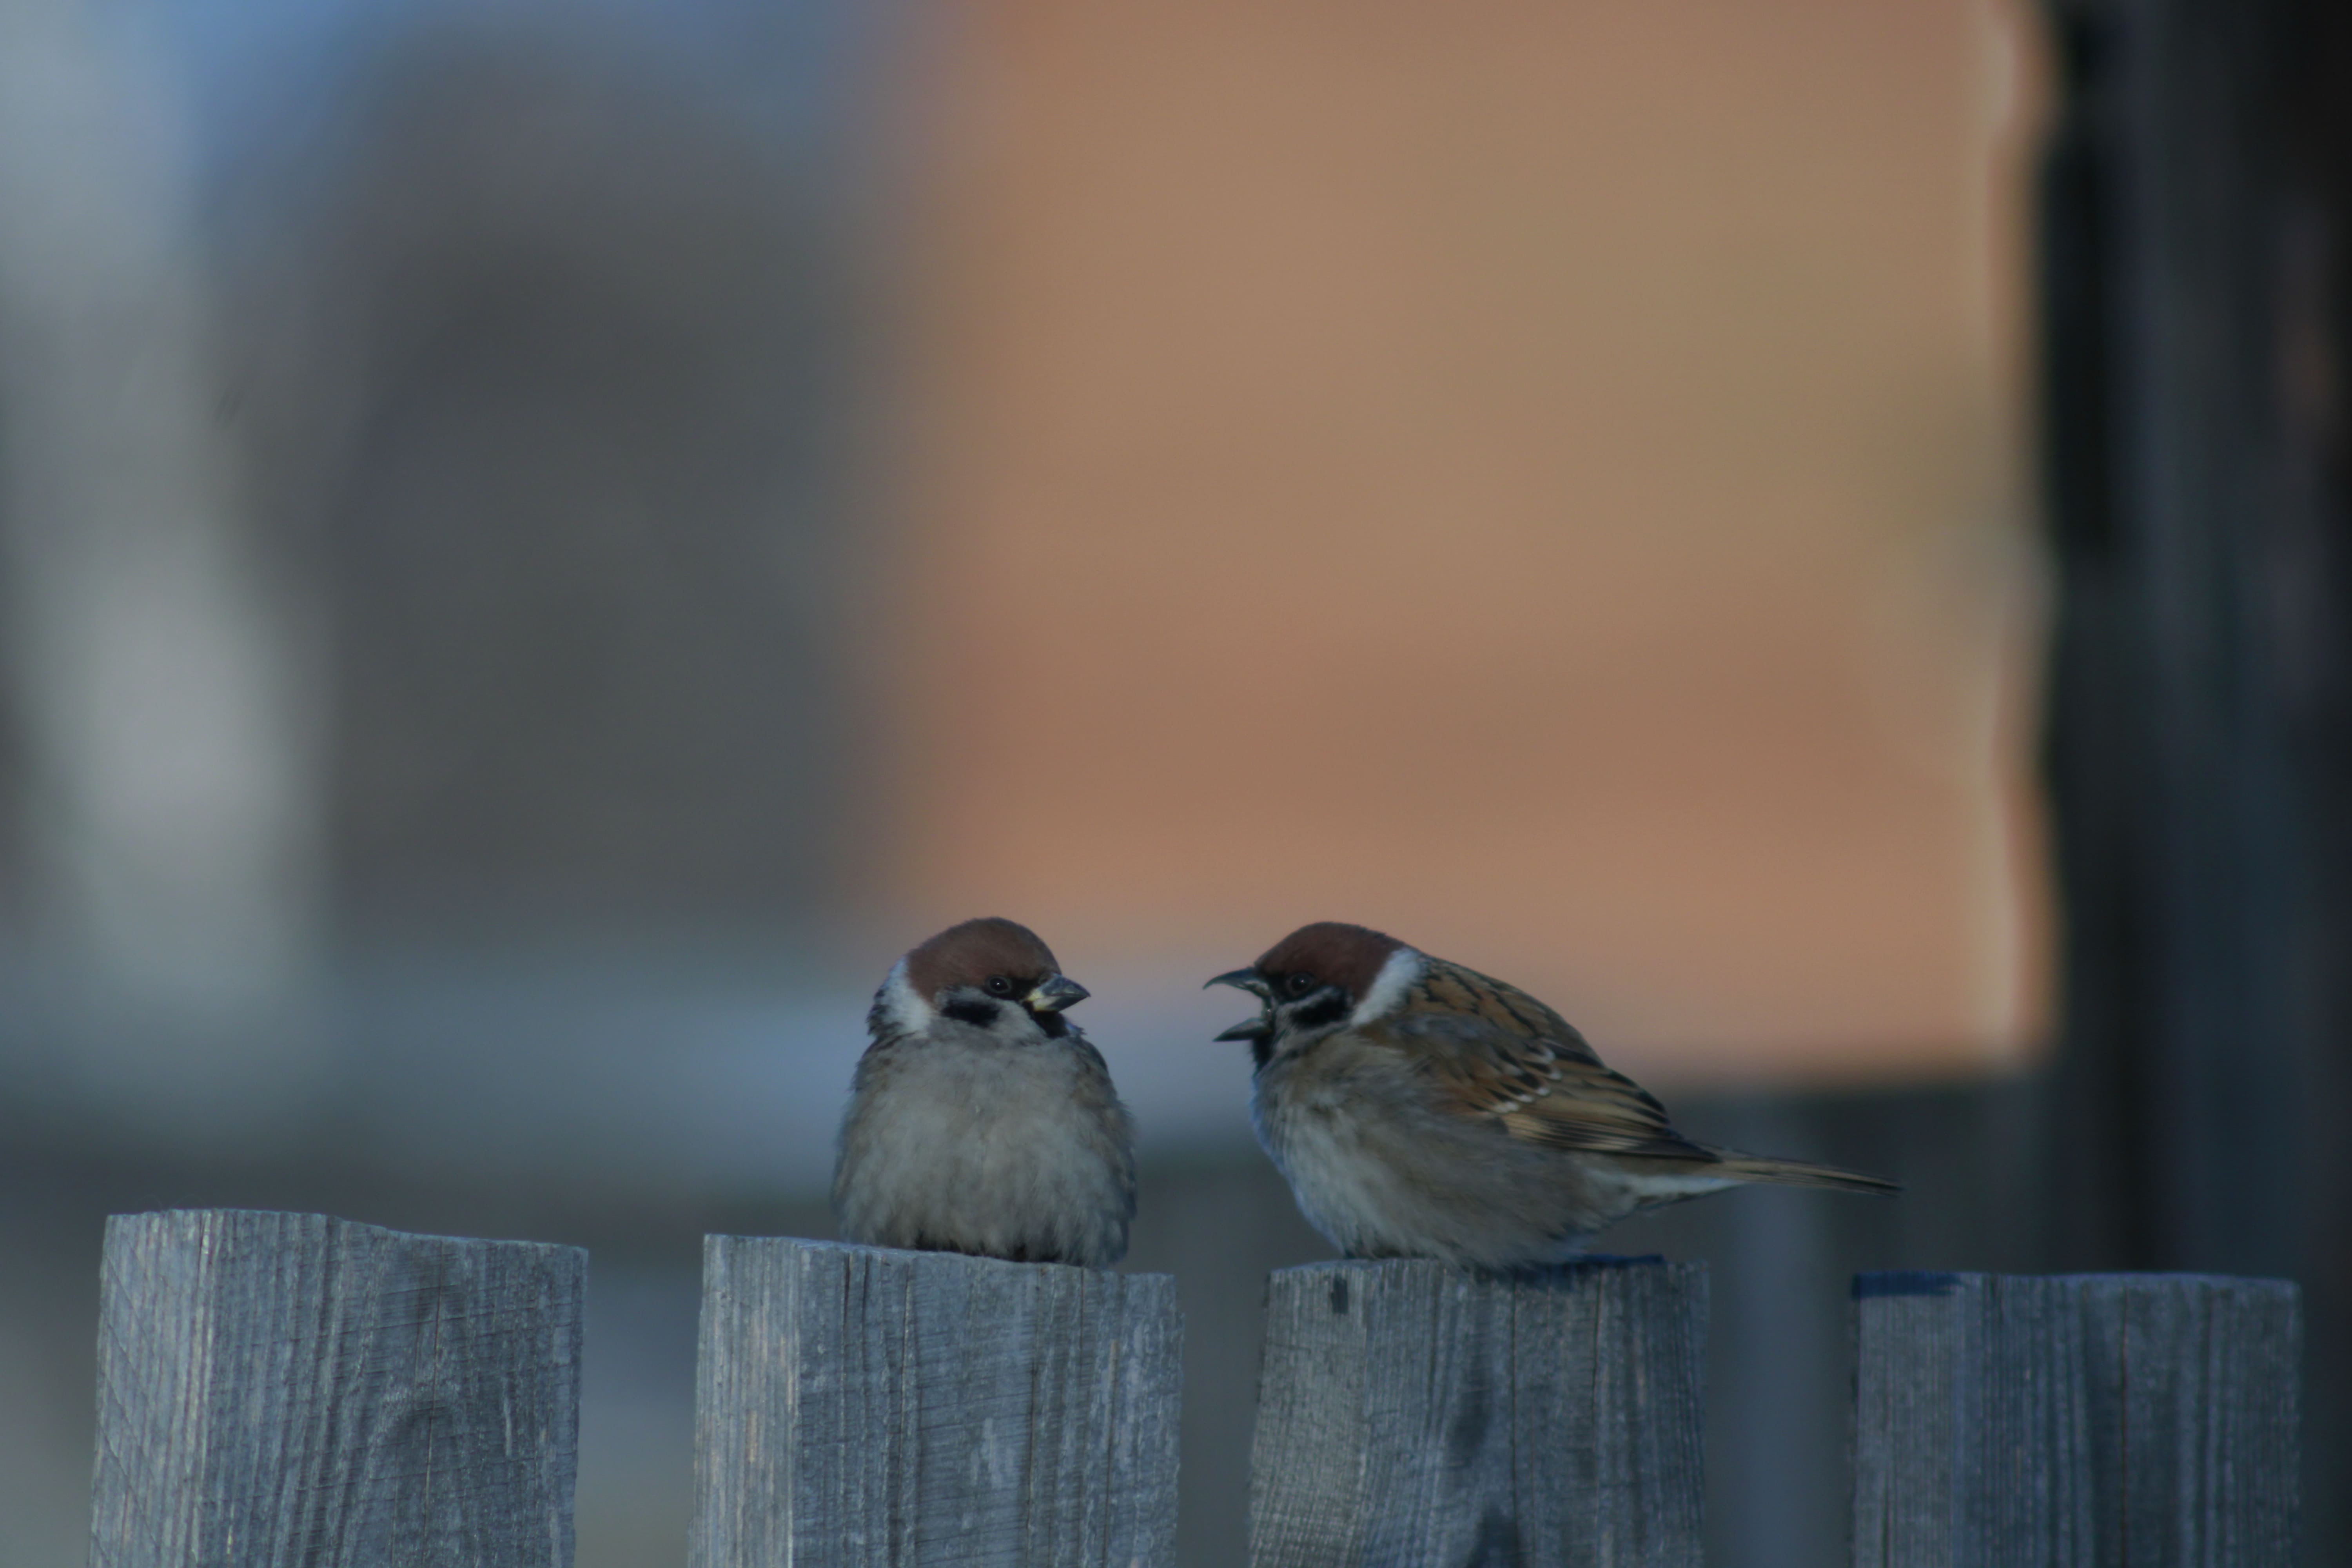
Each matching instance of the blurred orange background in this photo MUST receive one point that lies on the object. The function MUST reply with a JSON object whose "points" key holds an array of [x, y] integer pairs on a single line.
{"points": [[542, 545], [1544, 480]]}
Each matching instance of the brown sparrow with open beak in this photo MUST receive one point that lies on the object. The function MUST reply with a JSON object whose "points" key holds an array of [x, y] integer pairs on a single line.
{"points": [[1420, 1109], [980, 1120]]}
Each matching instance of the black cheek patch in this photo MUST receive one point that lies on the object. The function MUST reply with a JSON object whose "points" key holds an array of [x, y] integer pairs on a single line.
{"points": [[979, 1015], [1322, 1011]]}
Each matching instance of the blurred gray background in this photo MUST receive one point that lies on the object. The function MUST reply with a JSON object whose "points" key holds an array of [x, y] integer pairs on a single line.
{"points": [[440, 783]]}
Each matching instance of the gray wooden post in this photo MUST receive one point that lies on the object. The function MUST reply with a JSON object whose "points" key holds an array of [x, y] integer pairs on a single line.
{"points": [[283, 1389], [858, 1407], [1411, 1413], [2147, 1420]]}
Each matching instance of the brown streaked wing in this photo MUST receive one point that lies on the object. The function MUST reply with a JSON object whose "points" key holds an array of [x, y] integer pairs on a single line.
{"points": [[1602, 1111], [1448, 991], [1497, 1051]]}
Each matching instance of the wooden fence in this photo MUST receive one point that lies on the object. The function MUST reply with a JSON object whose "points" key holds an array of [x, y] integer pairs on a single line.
{"points": [[282, 1390]]}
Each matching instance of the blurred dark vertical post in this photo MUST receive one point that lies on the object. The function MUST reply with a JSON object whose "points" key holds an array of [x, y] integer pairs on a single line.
{"points": [[2195, 201]]}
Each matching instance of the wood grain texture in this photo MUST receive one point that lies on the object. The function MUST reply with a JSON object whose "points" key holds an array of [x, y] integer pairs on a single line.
{"points": [[2076, 1421], [859, 1406], [282, 1389], [1412, 1414]]}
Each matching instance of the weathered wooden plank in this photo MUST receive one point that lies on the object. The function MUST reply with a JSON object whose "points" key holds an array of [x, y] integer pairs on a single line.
{"points": [[1413, 1414], [284, 1389], [860, 1407], [2076, 1421]]}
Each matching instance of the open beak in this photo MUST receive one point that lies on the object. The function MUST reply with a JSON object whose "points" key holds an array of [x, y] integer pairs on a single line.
{"points": [[1252, 1029], [1053, 995]]}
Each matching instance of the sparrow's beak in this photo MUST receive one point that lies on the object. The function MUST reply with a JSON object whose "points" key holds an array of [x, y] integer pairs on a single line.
{"points": [[1241, 980], [1258, 1028], [1053, 995]]}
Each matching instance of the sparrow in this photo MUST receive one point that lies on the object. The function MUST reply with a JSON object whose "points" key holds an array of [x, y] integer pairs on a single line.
{"points": [[980, 1120], [1422, 1110]]}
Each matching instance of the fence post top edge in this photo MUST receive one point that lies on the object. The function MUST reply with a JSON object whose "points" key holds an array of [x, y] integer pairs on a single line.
{"points": [[315, 1224], [1876, 1284], [718, 1245]]}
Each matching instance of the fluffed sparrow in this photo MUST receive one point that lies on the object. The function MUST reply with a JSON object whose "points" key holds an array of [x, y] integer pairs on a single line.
{"points": [[1422, 1110], [980, 1120]]}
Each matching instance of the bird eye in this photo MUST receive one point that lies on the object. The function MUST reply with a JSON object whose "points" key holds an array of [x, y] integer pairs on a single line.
{"points": [[999, 986], [1301, 984]]}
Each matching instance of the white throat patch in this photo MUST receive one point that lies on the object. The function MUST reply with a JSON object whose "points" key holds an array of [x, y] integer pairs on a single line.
{"points": [[1388, 988]]}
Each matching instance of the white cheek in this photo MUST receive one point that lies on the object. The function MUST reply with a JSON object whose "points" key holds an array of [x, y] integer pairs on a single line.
{"points": [[1387, 991], [907, 1012]]}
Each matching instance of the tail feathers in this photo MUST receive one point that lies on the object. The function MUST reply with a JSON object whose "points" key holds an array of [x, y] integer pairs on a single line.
{"points": [[1763, 1168]]}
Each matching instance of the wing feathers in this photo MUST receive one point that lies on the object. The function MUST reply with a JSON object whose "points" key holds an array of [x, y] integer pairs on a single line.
{"points": [[1496, 1052]]}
